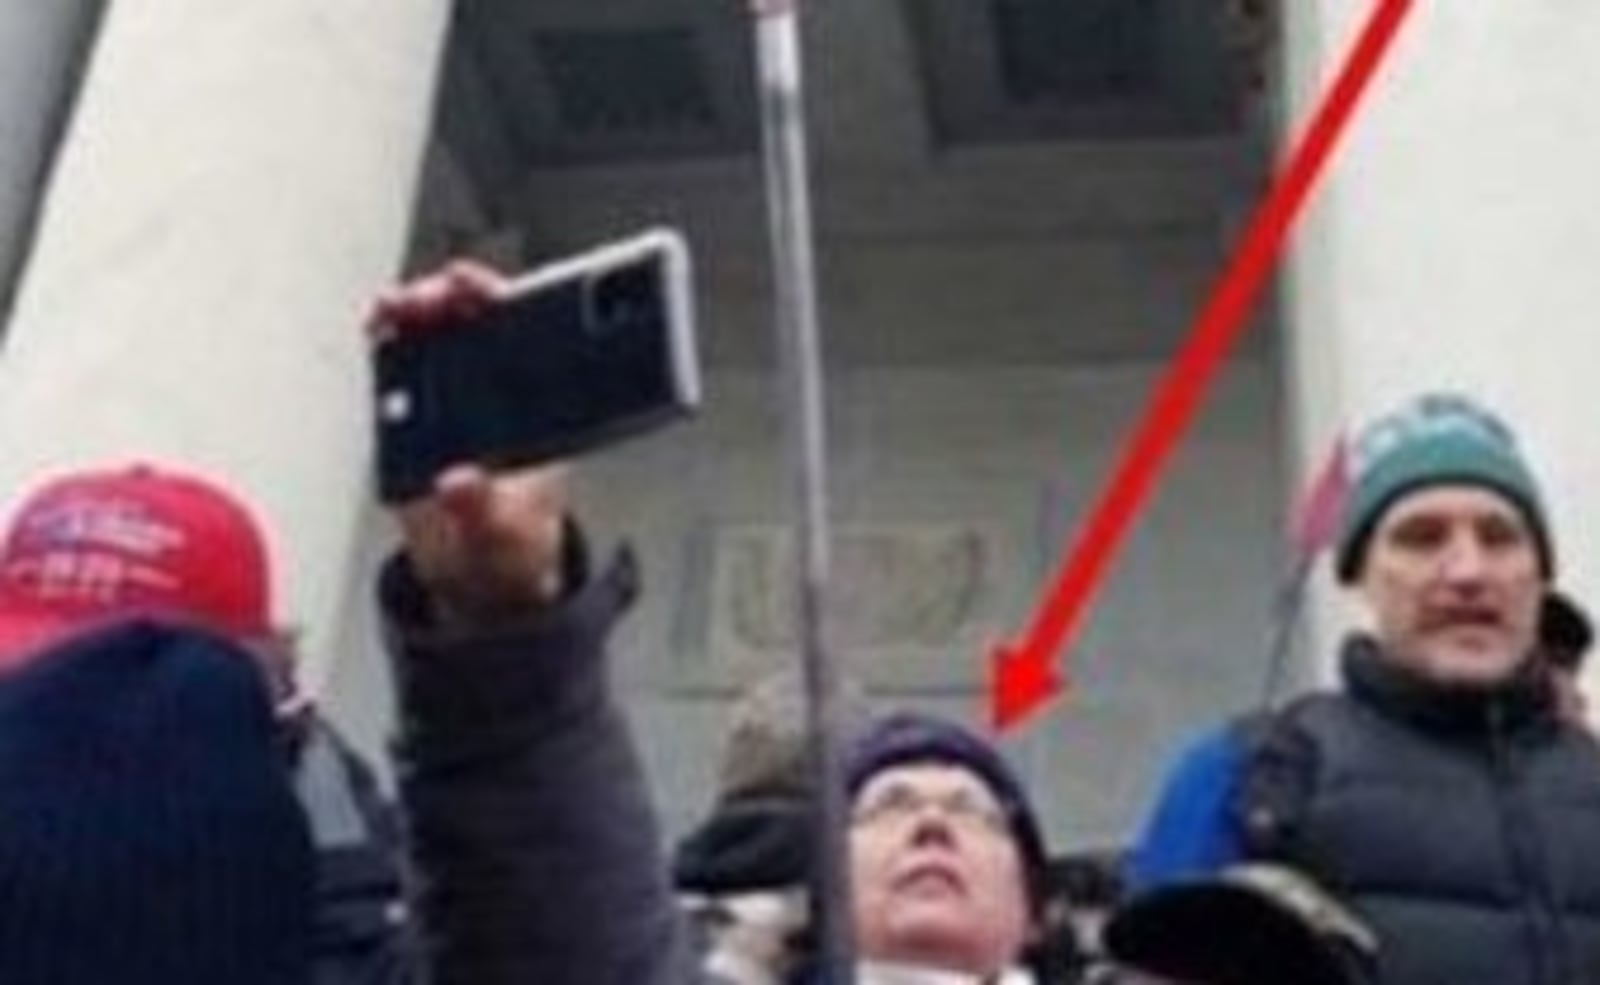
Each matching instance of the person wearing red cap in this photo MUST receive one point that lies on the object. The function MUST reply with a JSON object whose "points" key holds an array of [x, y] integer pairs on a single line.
{"points": [[100, 551], [100, 545]]}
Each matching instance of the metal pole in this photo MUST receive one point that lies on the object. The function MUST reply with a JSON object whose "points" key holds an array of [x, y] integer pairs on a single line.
{"points": [[777, 27], [1316, 524], [44, 49], [1286, 610]]}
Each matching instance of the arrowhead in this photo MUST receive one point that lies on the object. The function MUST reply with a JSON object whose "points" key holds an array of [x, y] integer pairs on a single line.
{"points": [[1022, 681]]}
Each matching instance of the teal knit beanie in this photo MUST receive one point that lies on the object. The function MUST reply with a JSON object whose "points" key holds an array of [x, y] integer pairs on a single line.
{"points": [[1437, 439]]}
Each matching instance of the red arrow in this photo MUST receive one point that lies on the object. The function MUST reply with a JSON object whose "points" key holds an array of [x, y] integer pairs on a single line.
{"points": [[1024, 676]]}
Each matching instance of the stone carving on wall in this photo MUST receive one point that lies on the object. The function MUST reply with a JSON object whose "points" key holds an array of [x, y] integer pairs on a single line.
{"points": [[894, 587], [913, 603]]}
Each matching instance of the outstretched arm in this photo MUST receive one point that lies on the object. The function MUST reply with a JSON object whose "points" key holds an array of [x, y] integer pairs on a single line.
{"points": [[536, 844]]}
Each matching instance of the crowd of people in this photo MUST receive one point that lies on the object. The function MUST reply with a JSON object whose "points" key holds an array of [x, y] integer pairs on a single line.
{"points": [[173, 809]]}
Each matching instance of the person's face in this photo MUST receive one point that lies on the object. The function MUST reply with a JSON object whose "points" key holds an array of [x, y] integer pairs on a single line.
{"points": [[1453, 583], [936, 876]]}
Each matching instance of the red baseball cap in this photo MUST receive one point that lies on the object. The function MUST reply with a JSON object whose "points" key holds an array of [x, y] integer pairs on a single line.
{"points": [[98, 545]]}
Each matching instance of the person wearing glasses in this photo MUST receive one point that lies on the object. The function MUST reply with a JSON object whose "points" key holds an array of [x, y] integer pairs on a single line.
{"points": [[537, 847], [947, 862], [949, 866]]}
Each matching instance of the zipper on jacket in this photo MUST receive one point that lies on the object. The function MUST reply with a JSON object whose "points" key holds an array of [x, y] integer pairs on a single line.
{"points": [[1520, 834]]}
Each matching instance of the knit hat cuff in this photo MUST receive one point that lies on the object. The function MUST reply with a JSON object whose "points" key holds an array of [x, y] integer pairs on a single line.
{"points": [[1438, 440]]}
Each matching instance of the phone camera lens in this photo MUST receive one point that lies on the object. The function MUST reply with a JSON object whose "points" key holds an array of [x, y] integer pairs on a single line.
{"points": [[619, 301]]}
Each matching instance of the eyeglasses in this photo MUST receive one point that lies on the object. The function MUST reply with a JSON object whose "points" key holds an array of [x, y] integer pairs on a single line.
{"points": [[898, 803]]}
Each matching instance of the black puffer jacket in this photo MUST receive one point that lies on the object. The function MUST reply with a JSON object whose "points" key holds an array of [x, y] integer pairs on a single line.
{"points": [[1464, 825]]}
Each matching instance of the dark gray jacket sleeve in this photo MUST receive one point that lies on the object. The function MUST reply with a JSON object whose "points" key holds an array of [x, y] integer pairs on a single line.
{"points": [[539, 859]]}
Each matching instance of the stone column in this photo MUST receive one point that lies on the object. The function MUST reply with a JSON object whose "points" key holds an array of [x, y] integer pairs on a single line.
{"points": [[1456, 243], [236, 182], [42, 49]]}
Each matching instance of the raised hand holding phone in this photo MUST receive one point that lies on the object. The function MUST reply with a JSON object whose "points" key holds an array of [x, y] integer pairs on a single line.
{"points": [[487, 545], [474, 368]]}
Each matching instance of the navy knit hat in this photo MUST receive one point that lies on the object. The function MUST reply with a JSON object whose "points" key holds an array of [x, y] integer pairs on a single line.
{"points": [[148, 833], [1437, 439], [908, 738]]}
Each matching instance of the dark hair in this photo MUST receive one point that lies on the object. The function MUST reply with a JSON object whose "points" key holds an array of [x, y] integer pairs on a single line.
{"points": [[1565, 633]]}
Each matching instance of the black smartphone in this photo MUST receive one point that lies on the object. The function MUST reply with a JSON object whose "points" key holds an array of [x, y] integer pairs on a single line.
{"points": [[581, 354]]}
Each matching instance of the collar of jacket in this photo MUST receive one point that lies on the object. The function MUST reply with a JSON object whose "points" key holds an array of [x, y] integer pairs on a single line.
{"points": [[1523, 700], [877, 973]]}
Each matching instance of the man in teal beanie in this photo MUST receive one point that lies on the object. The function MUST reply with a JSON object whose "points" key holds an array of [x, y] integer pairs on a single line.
{"points": [[1438, 440], [1437, 793]]}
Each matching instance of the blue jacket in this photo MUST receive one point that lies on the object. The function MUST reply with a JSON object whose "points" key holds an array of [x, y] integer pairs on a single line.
{"points": [[1192, 830]]}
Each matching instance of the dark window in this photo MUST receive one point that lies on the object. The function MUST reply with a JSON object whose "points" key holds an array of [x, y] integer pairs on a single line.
{"points": [[606, 81], [1074, 50]]}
